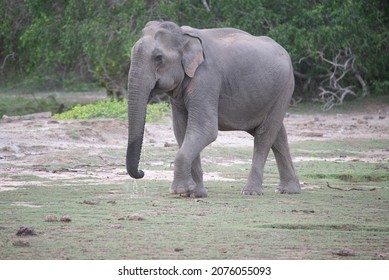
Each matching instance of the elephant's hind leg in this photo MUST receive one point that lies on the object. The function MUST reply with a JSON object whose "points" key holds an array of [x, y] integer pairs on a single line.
{"points": [[264, 137], [289, 183]]}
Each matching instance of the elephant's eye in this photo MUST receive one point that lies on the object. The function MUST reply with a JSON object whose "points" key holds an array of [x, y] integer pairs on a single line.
{"points": [[158, 58]]}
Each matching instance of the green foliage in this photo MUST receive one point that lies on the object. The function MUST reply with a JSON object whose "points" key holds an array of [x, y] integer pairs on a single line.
{"points": [[381, 87], [101, 109], [113, 109], [157, 112], [64, 43], [331, 26], [71, 42]]}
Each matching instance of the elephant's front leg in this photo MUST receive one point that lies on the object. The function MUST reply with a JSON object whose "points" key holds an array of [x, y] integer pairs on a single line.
{"points": [[180, 120], [183, 182], [195, 187], [188, 176], [192, 136], [197, 174]]}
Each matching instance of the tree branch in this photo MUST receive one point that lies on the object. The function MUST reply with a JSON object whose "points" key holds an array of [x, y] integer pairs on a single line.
{"points": [[206, 5], [11, 55], [331, 91]]}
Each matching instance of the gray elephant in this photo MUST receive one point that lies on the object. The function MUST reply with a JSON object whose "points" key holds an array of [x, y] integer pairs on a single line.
{"points": [[217, 79]]}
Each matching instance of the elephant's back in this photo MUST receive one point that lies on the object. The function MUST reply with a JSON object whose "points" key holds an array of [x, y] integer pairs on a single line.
{"points": [[256, 72], [231, 47]]}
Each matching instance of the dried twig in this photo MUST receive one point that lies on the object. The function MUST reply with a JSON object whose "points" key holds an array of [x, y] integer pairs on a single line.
{"points": [[349, 189], [331, 91], [9, 56]]}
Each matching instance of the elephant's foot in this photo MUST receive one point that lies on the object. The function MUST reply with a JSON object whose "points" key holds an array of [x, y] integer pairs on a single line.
{"points": [[252, 190], [183, 186], [199, 191], [189, 190], [289, 188]]}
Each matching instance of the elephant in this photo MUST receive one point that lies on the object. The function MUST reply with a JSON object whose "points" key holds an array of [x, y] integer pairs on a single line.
{"points": [[217, 79]]}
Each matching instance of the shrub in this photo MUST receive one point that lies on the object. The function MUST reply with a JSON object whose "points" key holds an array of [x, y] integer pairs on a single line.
{"points": [[113, 109]]}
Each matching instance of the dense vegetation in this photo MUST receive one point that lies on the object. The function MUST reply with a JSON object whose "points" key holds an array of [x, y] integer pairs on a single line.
{"points": [[339, 47]]}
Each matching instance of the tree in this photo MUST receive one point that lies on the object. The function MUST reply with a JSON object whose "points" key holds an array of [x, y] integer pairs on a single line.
{"points": [[327, 36], [339, 47]]}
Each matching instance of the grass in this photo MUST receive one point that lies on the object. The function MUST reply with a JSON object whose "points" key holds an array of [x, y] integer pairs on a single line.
{"points": [[353, 105], [16, 104], [317, 224], [312, 225], [354, 171], [22, 105]]}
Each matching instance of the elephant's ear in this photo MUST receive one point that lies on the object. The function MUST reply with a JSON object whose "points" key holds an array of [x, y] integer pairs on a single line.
{"points": [[192, 54]]}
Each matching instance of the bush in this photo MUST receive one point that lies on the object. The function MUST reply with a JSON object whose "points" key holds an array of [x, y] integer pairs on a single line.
{"points": [[101, 109], [113, 109], [158, 112]]}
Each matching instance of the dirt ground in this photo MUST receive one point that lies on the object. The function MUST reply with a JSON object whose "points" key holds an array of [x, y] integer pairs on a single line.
{"points": [[52, 169], [29, 145]]}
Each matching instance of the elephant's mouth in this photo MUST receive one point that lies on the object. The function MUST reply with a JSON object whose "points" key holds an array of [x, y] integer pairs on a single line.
{"points": [[151, 96], [155, 91]]}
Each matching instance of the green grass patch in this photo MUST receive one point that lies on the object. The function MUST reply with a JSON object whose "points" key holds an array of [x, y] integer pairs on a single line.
{"points": [[329, 227], [311, 225], [22, 105], [109, 108], [349, 106], [346, 172], [342, 161], [338, 146]]}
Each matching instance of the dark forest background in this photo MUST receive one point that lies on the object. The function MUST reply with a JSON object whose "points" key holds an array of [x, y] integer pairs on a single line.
{"points": [[339, 48]]}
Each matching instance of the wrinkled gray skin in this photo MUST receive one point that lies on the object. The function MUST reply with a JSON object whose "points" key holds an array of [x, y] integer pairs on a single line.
{"points": [[217, 79]]}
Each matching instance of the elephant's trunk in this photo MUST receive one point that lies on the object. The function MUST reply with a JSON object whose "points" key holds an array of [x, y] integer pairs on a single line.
{"points": [[138, 93]]}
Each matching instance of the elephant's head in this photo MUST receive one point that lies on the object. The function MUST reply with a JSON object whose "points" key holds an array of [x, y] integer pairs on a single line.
{"points": [[160, 61]]}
